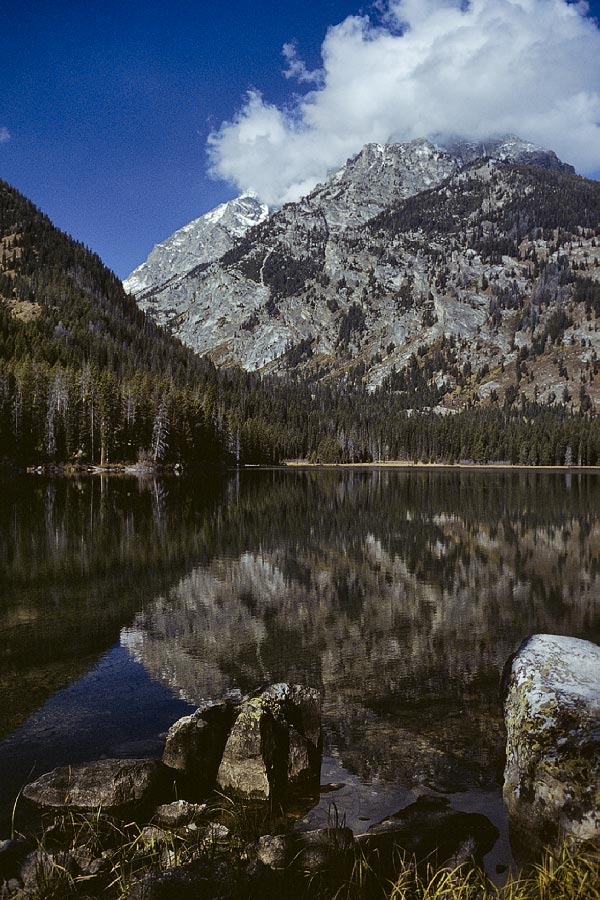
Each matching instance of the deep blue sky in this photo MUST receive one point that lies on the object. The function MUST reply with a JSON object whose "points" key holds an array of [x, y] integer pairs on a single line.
{"points": [[109, 104]]}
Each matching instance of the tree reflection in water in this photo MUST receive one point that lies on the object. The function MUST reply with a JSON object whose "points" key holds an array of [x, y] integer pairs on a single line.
{"points": [[399, 593]]}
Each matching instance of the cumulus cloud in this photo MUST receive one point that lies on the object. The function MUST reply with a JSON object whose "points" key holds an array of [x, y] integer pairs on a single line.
{"points": [[296, 67], [4, 135], [424, 68]]}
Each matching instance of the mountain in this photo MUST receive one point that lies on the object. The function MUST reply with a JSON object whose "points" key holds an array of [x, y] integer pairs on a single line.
{"points": [[86, 377], [200, 241], [472, 268]]}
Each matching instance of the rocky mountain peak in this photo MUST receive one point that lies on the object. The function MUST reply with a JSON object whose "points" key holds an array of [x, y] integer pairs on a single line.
{"points": [[377, 176], [200, 241], [441, 266], [504, 148]]}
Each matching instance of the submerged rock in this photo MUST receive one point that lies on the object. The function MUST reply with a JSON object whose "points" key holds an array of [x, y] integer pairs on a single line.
{"points": [[116, 785], [429, 830], [552, 713], [310, 851]]}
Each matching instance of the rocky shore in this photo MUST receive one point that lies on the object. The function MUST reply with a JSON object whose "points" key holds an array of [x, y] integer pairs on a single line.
{"points": [[215, 816]]}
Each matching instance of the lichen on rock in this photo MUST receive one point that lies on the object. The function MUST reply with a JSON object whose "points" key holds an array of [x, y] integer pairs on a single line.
{"points": [[552, 715], [275, 743]]}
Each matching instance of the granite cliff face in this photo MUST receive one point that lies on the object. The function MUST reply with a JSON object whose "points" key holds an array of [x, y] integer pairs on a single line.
{"points": [[200, 241], [466, 259]]}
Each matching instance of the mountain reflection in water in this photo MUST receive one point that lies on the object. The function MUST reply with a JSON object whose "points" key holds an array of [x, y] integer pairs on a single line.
{"points": [[399, 594]]}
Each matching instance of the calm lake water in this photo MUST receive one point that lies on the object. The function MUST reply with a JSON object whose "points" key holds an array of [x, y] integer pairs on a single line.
{"points": [[400, 594]]}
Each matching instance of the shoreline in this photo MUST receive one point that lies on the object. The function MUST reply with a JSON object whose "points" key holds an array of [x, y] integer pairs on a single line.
{"points": [[405, 464], [175, 469]]}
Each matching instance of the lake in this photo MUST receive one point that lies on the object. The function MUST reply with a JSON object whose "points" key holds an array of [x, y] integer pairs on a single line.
{"points": [[398, 593]]}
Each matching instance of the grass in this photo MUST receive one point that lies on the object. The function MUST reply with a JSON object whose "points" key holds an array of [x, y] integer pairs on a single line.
{"points": [[119, 854], [246, 820], [575, 875]]}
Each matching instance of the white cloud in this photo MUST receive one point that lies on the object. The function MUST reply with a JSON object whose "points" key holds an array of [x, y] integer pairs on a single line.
{"points": [[5, 135], [429, 67], [296, 67]]}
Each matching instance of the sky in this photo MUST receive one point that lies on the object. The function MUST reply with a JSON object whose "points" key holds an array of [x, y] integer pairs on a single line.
{"points": [[125, 120]]}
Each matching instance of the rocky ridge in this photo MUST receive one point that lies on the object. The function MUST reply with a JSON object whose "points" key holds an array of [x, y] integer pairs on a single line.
{"points": [[200, 241], [456, 266]]}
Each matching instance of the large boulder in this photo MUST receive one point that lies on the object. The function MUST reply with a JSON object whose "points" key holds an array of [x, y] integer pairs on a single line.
{"points": [[195, 745], [301, 708], [115, 785], [552, 712], [275, 744], [255, 753]]}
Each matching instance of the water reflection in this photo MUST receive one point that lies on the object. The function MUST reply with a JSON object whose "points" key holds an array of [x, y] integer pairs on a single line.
{"points": [[399, 594], [77, 560]]}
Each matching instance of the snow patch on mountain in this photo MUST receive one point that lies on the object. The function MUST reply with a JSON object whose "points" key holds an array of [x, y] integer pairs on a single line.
{"points": [[200, 241]]}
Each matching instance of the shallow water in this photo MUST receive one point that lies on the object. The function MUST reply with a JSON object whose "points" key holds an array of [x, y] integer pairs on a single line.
{"points": [[399, 594]]}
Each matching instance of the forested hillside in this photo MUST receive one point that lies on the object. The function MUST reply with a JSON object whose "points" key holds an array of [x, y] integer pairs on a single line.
{"points": [[86, 377]]}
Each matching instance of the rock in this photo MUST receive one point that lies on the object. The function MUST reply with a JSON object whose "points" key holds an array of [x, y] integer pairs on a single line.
{"points": [[552, 714], [209, 877], [430, 831], [324, 849], [311, 851], [301, 769], [152, 836], [44, 873], [176, 883], [179, 813], [301, 708], [10, 888], [275, 850], [215, 832], [157, 841], [12, 853], [87, 862], [115, 785], [255, 752], [195, 744], [275, 743]]}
